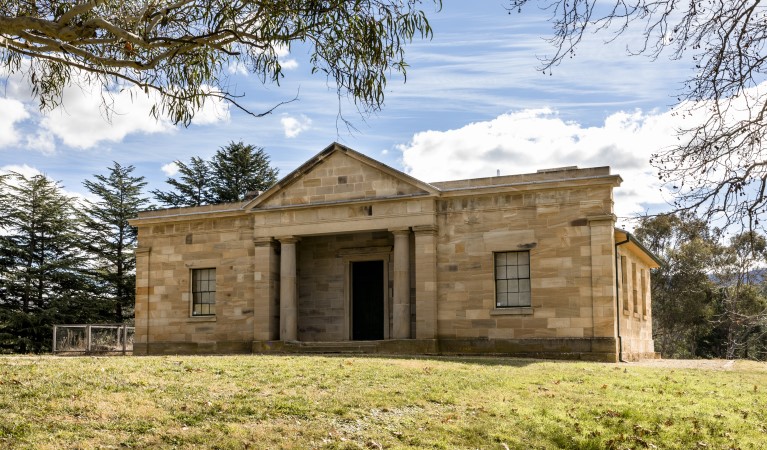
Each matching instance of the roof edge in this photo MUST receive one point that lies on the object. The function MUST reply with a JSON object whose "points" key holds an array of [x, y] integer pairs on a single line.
{"points": [[632, 239]]}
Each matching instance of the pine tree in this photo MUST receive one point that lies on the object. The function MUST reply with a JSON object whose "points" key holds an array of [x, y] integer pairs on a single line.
{"points": [[5, 259], [192, 188], [233, 172], [43, 262], [111, 239], [238, 169]]}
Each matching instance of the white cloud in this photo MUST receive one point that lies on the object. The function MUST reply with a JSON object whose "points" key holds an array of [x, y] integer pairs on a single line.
{"points": [[293, 126], [282, 52], [289, 64], [170, 169], [83, 122], [528, 140], [213, 111], [11, 111], [42, 141], [88, 115], [21, 169], [28, 172], [237, 68]]}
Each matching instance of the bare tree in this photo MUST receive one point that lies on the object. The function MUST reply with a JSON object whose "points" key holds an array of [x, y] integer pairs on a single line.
{"points": [[181, 49], [719, 167]]}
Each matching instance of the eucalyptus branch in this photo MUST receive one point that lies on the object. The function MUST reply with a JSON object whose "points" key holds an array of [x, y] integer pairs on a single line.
{"points": [[163, 45]]}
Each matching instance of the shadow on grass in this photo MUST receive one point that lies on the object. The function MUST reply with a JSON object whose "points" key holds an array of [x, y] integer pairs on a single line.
{"points": [[483, 360]]}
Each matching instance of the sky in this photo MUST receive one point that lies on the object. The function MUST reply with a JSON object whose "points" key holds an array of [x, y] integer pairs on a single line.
{"points": [[474, 103]]}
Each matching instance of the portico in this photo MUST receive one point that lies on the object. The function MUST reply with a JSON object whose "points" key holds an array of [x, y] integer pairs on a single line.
{"points": [[314, 295]]}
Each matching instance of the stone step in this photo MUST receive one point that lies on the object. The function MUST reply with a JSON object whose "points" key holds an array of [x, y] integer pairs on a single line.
{"points": [[333, 347]]}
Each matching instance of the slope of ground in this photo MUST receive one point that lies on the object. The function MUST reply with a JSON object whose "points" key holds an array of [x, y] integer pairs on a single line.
{"points": [[366, 402]]}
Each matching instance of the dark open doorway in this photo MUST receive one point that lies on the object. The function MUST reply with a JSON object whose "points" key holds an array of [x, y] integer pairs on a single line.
{"points": [[367, 278]]}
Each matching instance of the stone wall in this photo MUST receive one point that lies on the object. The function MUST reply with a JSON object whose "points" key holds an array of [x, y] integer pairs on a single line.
{"points": [[169, 252], [555, 227], [635, 306]]}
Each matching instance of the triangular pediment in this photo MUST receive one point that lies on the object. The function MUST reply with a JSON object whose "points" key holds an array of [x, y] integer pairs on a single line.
{"points": [[339, 174]]}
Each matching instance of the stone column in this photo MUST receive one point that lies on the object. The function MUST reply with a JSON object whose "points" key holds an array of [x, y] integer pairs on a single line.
{"points": [[401, 301], [603, 274], [425, 282], [603, 295], [141, 338], [266, 315], [288, 289]]}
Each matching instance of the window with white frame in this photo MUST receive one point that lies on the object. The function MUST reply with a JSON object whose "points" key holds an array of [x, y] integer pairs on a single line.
{"points": [[512, 279], [203, 292]]}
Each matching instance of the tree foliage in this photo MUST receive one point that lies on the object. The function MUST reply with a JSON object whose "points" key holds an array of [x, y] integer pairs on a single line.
{"points": [[710, 296], [719, 168], [191, 188], [62, 261], [740, 315], [182, 49], [110, 239], [234, 171], [43, 276], [682, 289], [238, 169]]}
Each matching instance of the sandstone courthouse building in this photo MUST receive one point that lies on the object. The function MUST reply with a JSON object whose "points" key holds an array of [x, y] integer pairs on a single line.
{"points": [[348, 254]]}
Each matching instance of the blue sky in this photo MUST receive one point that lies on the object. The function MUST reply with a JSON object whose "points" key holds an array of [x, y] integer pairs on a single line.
{"points": [[474, 103]]}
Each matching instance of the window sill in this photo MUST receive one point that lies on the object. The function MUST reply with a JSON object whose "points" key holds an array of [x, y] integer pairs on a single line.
{"points": [[512, 311], [202, 319]]}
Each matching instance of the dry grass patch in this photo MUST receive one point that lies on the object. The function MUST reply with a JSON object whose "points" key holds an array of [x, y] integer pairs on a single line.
{"points": [[342, 402]]}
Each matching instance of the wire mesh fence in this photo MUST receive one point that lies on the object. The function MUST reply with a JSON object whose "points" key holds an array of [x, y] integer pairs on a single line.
{"points": [[93, 339]]}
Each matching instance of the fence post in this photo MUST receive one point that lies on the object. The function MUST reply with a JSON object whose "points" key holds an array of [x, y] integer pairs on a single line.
{"points": [[55, 327], [88, 338], [125, 339]]}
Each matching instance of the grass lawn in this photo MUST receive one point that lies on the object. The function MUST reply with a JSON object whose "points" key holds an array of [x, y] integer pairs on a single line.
{"points": [[366, 402]]}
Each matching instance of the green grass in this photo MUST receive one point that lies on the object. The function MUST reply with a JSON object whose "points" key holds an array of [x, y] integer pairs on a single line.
{"points": [[348, 402]]}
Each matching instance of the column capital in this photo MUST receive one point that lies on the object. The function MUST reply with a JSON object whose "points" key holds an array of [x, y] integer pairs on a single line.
{"points": [[425, 229], [288, 239], [263, 241], [400, 231]]}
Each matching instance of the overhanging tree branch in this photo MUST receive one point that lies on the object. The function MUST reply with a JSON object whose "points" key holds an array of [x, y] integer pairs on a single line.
{"points": [[178, 48]]}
